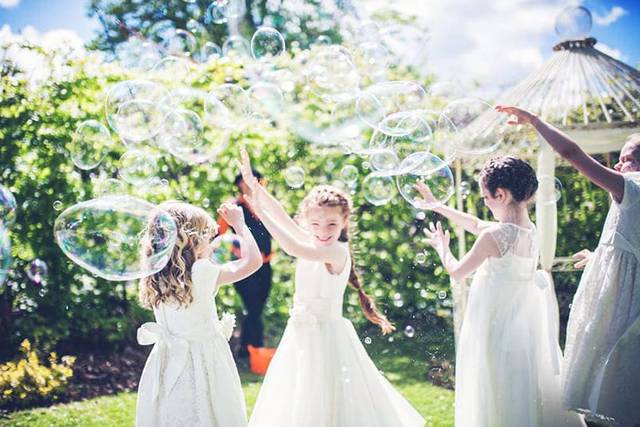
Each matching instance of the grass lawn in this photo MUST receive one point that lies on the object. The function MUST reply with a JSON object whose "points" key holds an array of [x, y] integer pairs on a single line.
{"points": [[434, 403]]}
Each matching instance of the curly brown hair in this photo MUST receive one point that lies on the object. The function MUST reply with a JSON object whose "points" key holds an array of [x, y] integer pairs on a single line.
{"points": [[512, 174], [329, 196], [172, 284]]}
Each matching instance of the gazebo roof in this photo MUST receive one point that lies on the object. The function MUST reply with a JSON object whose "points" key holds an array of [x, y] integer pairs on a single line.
{"points": [[592, 96]]}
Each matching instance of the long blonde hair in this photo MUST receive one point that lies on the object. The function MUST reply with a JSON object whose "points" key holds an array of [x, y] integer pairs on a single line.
{"points": [[329, 196], [172, 284]]}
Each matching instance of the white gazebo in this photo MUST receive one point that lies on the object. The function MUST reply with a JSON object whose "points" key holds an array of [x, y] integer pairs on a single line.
{"points": [[591, 96]]}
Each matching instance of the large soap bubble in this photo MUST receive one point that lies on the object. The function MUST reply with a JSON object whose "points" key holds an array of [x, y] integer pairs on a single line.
{"points": [[332, 74], [267, 43], [480, 128], [133, 109], [171, 68], [116, 237], [385, 99], [549, 190], [7, 207], [89, 144], [181, 42], [265, 100], [5, 254], [233, 97], [138, 167], [573, 23], [294, 176], [378, 189], [431, 170], [236, 46], [372, 59]]}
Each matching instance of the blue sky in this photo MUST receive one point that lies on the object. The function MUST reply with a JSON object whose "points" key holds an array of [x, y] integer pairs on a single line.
{"points": [[494, 42]]}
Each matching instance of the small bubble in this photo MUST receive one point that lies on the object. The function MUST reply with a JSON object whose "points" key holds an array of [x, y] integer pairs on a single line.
{"points": [[421, 258], [421, 215], [409, 331], [57, 205], [442, 294], [367, 340]]}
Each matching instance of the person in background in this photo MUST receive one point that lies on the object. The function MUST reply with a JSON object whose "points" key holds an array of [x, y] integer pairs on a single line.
{"points": [[254, 290]]}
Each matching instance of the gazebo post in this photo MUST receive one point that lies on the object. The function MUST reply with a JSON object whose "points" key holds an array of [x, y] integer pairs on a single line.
{"points": [[459, 290], [546, 208]]}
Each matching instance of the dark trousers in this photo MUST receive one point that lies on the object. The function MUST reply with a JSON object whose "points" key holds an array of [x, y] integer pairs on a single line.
{"points": [[254, 291]]}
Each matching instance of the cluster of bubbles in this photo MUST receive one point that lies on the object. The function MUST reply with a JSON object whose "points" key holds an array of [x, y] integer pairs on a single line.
{"points": [[406, 132]]}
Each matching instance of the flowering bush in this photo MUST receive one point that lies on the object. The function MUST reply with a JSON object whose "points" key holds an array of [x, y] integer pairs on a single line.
{"points": [[28, 381]]}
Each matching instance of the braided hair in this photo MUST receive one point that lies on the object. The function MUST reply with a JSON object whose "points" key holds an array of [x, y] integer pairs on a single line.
{"points": [[328, 196], [512, 174]]}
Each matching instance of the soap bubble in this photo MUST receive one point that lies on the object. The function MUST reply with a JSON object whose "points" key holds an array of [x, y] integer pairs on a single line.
{"points": [[294, 176], [5, 254], [209, 50], [137, 167], [549, 189], [57, 205], [110, 187], [349, 174], [236, 46], [574, 23], [384, 160], [431, 170], [378, 189], [181, 42], [89, 144], [267, 43], [372, 59], [136, 53], [225, 248], [7, 207], [421, 215], [383, 99], [367, 340], [117, 238], [265, 100], [233, 97], [409, 331], [332, 74], [421, 258], [442, 294], [216, 12], [37, 271], [478, 125], [172, 68], [132, 109]]}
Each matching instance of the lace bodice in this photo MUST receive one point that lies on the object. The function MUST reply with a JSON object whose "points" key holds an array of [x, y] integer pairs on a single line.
{"points": [[518, 252]]}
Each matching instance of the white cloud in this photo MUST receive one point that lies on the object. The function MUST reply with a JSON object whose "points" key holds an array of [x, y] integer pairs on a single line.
{"points": [[614, 53], [8, 4], [614, 14], [495, 43]]}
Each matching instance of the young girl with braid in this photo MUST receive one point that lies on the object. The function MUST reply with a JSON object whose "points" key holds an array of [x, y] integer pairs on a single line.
{"points": [[321, 375]]}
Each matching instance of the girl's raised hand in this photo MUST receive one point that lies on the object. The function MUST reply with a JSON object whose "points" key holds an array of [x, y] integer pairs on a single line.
{"points": [[232, 214], [582, 258], [521, 116], [426, 193], [437, 238]]}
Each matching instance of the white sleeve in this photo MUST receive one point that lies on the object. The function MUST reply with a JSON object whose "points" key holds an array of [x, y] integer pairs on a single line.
{"points": [[204, 273], [631, 194]]}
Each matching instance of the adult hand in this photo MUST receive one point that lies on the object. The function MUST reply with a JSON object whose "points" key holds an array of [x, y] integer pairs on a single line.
{"points": [[582, 258], [437, 238], [246, 171], [520, 116]]}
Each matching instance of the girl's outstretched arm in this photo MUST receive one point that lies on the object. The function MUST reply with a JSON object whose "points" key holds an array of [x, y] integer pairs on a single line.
{"points": [[483, 248], [605, 178], [250, 258], [334, 254], [269, 203], [470, 223]]}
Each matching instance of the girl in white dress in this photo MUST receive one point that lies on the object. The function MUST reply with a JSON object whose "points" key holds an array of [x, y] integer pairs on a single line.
{"points": [[602, 353], [321, 375], [190, 378], [508, 357]]}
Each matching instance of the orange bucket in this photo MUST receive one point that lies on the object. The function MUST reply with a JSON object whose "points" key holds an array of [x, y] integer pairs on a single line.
{"points": [[259, 358]]}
